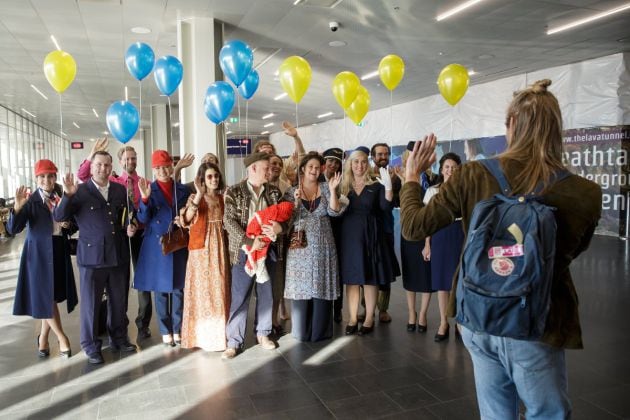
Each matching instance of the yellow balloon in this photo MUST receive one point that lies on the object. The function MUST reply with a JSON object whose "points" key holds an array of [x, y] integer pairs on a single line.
{"points": [[295, 77], [453, 83], [358, 109], [60, 69], [345, 87], [391, 69]]}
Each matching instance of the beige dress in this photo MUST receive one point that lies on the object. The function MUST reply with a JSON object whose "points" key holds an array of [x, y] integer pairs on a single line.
{"points": [[207, 287]]}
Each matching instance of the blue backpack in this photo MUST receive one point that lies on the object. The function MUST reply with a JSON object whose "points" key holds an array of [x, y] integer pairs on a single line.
{"points": [[504, 286]]}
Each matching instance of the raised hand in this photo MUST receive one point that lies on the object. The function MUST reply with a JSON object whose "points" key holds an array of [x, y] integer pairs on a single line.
{"points": [[200, 187], [70, 186], [185, 161], [289, 130], [385, 179], [399, 172], [21, 196], [297, 195], [421, 158], [145, 188], [334, 182], [99, 145]]}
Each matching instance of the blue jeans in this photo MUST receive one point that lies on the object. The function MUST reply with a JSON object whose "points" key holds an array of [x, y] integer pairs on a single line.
{"points": [[507, 369]]}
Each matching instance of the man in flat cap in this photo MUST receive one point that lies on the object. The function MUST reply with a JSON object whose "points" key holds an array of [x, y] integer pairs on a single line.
{"points": [[241, 202]]}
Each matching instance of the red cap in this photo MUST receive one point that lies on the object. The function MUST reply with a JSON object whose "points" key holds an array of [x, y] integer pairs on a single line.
{"points": [[45, 166], [161, 158]]}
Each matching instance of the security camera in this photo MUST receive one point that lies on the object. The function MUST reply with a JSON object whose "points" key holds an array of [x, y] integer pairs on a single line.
{"points": [[333, 26]]}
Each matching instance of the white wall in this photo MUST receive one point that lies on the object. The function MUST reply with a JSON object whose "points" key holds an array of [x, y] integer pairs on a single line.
{"points": [[591, 93]]}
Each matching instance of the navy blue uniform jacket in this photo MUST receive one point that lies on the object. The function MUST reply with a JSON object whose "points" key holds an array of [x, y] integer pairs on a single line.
{"points": [[34, 294], [102, 224]]}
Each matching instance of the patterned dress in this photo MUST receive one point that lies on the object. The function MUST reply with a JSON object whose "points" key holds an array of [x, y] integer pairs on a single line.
{"points": [[312, 272], [207, 288]]}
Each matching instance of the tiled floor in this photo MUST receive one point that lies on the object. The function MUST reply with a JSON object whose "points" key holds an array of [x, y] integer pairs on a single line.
{"points": [[390, 374]]}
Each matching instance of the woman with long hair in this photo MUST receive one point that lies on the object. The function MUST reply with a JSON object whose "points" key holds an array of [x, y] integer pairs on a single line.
{"points": [[507, 369], [207, 286], [311, 274], [365, 259]]}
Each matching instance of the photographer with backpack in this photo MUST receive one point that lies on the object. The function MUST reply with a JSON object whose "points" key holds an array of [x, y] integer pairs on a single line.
{"points": [[526, 218]]}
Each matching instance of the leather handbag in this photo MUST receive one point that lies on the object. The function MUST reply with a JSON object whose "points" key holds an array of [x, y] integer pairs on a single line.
{"points": [[297, 239], [175, 239]]}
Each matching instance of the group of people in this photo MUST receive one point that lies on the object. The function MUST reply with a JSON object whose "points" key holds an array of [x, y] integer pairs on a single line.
{"points": [[300, 229]]}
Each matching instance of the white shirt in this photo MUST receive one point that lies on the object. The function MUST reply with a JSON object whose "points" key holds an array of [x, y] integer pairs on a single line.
{"points": [[103, 190]]}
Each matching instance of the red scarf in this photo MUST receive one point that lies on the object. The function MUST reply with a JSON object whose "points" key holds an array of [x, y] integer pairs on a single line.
{"points": [[167, 190]]}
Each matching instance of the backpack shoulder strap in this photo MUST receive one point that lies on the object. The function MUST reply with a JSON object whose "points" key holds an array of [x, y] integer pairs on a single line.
{"points": [[555, 177], [492, 165]]}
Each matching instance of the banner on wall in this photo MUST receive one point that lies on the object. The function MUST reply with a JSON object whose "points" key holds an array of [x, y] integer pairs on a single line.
{"points": [[599, 154]]}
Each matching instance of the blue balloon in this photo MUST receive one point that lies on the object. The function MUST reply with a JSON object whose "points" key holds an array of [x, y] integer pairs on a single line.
{"points": [[236, 60], [122, 120], [219, 101], [249, 85], [139, 59], [168, 74]]}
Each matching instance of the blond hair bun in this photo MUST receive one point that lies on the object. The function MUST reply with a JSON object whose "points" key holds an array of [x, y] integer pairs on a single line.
{"points": [[541, 86]]}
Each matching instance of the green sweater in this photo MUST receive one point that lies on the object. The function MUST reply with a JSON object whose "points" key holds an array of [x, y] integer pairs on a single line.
{"points": [[578, 203]]}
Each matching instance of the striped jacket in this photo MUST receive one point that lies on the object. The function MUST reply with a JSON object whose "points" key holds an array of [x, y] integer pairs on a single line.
{"points": [[236, 216]]}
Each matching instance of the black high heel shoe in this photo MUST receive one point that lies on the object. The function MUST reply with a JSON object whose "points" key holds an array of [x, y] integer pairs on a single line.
{"points": [[366, 330], [441, 337], [352, 329], [40, 352], [412, 327], [65, 354], [422, 328]]}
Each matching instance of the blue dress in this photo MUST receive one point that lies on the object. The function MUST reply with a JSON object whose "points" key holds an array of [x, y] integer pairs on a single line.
{"points": [[446, 249], [366, 259]]}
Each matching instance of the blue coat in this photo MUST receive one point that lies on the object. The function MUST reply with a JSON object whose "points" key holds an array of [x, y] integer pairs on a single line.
{"points": [[103, 239], [35, 291], [155, 271]]}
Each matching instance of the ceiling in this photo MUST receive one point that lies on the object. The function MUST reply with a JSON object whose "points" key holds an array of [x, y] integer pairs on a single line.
{"points": [[495, 38]]}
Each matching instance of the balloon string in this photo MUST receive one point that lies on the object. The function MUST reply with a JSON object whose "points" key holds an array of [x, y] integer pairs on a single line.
{"points": [[343, 154], [451, 137], [238, 101], [140, 108], [60, 118], [170, 126], [297, 125], [391, 121]]}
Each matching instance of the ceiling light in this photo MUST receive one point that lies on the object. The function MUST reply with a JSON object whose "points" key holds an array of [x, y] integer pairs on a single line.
{"points": [[228, 132], [369, 75], [140, 30], [332, 6], [75, 124], [589, 19], [327, 114], [337, 43], [176, 124], [471, 72], [64, 134], [267, 125], [265, 132], [485, 57], [92, 139], [457, 9], [39, 91], [296, 2], [9, 95], [126, 94], [106, 132], [26, 112], [282, 95], [271, 114], [52, 37], [95, 113]]}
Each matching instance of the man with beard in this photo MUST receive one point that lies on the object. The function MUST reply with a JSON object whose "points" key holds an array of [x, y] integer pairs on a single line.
{"points": [[380, 156]]}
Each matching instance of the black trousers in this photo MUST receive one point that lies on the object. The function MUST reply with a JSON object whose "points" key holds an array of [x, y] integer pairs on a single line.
{"points": [[145, 306]]}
